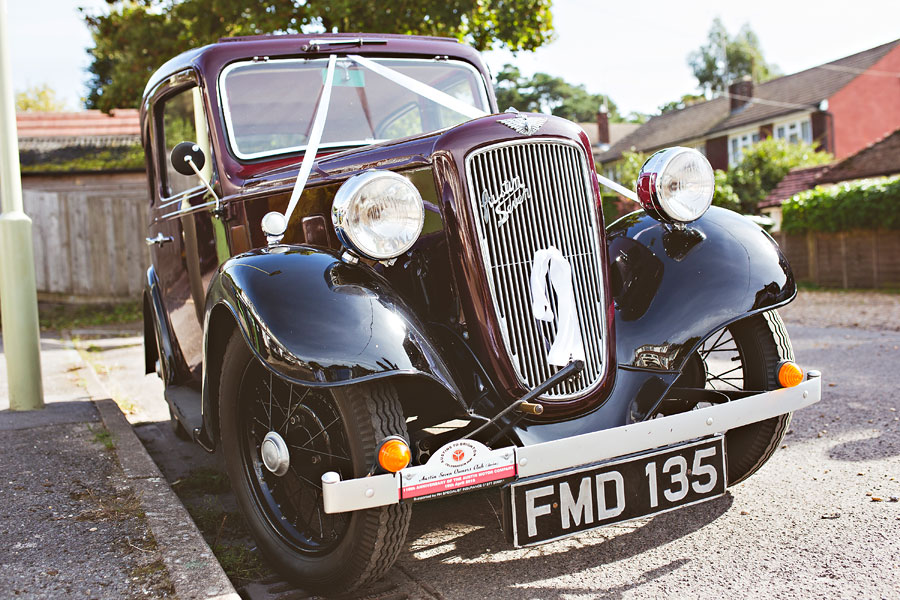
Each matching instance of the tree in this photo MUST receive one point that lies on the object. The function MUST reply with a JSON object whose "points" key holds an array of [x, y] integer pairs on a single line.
{"points": [[547, 94], [39, 98], [764, 165], [724, 59], [137, 36], [685, 101]]}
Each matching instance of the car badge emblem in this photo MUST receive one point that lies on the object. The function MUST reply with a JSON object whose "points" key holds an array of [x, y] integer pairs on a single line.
{"points": [[512, 194], [524, 124]]}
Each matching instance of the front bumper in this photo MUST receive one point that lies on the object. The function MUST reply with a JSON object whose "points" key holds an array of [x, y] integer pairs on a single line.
{"points": [[585, 449]]}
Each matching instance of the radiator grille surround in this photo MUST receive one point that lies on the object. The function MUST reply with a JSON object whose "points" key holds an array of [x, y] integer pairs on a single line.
{"points": [[527, 195]]}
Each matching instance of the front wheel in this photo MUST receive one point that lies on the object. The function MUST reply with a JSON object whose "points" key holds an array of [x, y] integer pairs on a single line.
{"points": [[305, 432], [744, 356]]}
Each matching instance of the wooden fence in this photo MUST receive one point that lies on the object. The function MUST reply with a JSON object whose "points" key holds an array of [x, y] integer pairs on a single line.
{"points": [[89, 244], [856, 259], [89, 235]]}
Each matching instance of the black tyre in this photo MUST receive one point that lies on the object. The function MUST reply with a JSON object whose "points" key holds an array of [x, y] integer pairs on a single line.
{"points": [[324, 430], [744, 356]]}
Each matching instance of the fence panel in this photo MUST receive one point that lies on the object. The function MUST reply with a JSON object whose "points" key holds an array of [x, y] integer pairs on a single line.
{"points": [[88, 235]]}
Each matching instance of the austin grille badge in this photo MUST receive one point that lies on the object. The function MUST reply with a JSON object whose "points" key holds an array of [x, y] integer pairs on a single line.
{"points": [[524, 125], [511, 195]]}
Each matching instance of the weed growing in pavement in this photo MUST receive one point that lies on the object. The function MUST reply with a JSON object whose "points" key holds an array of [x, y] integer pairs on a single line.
{"points": [[111, 506], [104, 437], [239, 562], [202, 481]]}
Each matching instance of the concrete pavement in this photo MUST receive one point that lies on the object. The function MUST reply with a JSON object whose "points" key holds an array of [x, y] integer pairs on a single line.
{"points": [[85, 511]]}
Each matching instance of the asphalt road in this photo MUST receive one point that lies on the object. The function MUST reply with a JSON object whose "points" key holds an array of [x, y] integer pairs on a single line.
{"points": [[808, 525]]}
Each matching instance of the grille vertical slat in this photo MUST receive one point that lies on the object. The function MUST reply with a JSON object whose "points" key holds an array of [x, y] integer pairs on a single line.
{"points": [[560, 212]]}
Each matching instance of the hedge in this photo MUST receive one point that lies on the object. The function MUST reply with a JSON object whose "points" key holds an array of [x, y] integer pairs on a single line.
{"points": [[864, 204]]}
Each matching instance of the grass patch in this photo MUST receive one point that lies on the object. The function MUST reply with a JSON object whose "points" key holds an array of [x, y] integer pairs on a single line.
{"points": [[239, 562], [59, 317], [102, 436], [202, 481], [809, 286]]}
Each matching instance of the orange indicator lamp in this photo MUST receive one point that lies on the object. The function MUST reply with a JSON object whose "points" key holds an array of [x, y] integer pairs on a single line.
{"points": [[394, 454], [789, 374]]}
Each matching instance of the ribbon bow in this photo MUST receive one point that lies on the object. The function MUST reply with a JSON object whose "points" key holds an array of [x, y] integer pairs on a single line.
{"points": [[568, 345]]}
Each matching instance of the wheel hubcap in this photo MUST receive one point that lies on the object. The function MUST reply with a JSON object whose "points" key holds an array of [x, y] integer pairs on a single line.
{"points": [[275, 455]]}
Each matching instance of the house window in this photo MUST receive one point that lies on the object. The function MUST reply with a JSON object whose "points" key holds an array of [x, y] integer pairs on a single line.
{"points": [[794, 131], [737, 143]]}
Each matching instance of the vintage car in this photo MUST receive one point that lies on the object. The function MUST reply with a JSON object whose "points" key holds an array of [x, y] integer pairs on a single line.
{"points": [[369, 287]]}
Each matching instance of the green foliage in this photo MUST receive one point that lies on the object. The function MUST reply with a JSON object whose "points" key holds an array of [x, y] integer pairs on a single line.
{"points": [[629, 167], [865, 204], [685, 101], [764, 165], [119, 158], [726, 58], [39, 98], [725, 195], [609, 205], [63, 317], [547, 94], [135, 37]]}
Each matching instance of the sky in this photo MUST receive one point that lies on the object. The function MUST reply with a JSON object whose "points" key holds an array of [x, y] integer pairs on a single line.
{"points": [[635, 52]]}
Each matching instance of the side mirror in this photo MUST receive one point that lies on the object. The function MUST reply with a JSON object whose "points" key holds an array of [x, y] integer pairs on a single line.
{"points": [[187, 158]]}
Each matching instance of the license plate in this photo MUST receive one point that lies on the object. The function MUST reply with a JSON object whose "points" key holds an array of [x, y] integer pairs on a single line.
{"points": [[550, 507]]}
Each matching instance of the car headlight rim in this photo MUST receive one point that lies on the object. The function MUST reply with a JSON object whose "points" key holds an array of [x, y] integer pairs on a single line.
{"points": [[676, 185], [378, 215]]}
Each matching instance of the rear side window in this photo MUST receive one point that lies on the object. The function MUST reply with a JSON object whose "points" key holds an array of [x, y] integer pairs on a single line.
{"points": [[178, 125]]}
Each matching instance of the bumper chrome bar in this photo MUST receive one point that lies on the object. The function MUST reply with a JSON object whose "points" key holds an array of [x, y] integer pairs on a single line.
{"points": [[589, 448]]}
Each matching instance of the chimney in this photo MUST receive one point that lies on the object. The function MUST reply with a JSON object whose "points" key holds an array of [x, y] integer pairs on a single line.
{"points": [[603, 125], [743, 88]]}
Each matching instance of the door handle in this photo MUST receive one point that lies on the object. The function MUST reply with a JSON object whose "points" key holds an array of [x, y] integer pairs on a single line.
{"points": [[160, 239]]}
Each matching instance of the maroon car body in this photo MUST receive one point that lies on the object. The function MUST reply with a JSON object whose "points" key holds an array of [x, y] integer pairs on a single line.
{"points": [[447, 325]]}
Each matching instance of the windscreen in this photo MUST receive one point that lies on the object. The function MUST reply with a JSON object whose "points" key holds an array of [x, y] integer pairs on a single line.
{"points": [[269, 106]]}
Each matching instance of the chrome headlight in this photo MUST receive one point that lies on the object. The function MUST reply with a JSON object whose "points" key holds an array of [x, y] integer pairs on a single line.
{"points": [[378, 214], [676, 184]]}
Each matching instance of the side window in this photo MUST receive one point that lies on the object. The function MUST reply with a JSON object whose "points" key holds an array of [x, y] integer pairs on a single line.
{"points": [[178, 125]]}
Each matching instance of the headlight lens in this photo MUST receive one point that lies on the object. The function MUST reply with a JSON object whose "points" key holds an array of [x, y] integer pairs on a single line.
{"points": [[378, 214], [676, 184]]}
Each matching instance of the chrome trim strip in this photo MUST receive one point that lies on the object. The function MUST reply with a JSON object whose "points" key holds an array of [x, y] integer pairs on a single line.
{"points": [[597, 446], [560, 211]]}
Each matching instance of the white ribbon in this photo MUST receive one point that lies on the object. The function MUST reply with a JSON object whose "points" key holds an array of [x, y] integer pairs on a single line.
{"points": [[617, 188], [568, 345], [417, 87], [315, 137]]}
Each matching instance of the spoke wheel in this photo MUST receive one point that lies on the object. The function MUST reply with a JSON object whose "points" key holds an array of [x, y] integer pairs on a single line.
{"points": [[744, 356], [278, 439], [314, 432]]}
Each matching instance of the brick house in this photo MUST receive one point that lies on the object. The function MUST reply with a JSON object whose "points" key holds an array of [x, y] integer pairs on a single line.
{"points": [[843, 106]]}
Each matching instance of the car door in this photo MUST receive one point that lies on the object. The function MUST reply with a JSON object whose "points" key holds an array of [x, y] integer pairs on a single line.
{"points": [[185, 246]]}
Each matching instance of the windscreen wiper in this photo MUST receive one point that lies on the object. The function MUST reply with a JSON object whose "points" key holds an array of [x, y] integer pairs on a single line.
{"points": [[314, 45]]}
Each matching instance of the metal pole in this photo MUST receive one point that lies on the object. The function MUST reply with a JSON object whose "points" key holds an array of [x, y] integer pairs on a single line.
{"points": [[18, 295]]}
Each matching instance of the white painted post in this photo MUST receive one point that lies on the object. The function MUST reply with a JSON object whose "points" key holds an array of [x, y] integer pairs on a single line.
{"points": [[18, 294]]}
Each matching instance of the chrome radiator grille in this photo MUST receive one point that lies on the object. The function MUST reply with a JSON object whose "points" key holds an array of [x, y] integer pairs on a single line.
{"points": [[526, 196]]}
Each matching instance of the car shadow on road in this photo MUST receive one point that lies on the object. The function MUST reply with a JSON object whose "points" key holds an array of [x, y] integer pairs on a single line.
{"points": [[460, 539]]}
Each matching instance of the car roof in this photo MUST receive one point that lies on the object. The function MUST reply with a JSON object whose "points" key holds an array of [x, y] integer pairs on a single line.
{"points": [[229, 49]]}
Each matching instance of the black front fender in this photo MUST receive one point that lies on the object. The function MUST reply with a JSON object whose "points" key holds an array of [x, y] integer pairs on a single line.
{"points": [[318, 321], [672, 288]]}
